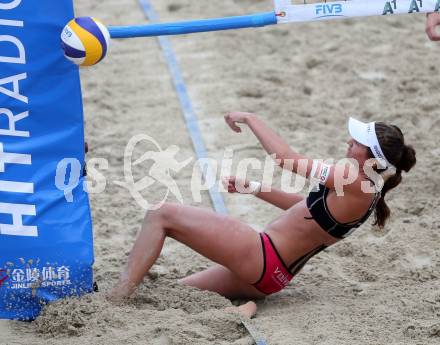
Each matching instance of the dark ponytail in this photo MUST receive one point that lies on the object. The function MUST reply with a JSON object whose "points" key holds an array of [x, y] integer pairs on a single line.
{"points": [[402, 156]]}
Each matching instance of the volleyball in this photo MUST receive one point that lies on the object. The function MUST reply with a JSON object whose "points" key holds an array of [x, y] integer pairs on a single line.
{"points": [[85, 41]]}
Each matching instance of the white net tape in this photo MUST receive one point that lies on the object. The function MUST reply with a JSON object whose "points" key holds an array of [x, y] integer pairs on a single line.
{"points": [[288, 11]]}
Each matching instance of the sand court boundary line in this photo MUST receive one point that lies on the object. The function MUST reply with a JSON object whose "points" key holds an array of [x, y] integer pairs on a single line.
{"points": [[253, 331], [187, 109], [195, 134]]}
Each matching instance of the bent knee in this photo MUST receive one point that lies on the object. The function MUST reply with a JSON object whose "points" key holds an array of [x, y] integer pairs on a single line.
{"points": [[164, 214]]}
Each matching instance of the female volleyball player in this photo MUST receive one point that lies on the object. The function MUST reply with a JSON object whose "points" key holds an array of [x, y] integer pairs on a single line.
{"points": [[252, 264]]}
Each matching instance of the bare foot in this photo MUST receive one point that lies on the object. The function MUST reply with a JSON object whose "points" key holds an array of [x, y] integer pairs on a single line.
{"points": [[121, 291], [249, 309]]}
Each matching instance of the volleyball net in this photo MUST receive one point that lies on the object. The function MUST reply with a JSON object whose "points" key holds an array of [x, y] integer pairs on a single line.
{"points": [[288, 11], [285, 11]]}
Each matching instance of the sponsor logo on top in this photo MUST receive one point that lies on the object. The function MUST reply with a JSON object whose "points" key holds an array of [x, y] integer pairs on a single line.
{"points": [[328, 10]]}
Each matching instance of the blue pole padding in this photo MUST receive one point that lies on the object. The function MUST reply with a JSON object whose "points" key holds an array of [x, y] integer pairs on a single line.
{"points": [[187, 27]]}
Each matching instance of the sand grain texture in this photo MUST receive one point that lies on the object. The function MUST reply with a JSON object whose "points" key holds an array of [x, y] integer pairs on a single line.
{"points": [[305, 80]]}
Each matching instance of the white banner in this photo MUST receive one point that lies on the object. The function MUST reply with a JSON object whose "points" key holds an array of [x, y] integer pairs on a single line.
{"points": [[287, 12]]}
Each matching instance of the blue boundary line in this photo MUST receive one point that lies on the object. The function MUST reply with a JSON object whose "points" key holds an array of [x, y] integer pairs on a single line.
{"points": [[187, 108], [190, 118]]}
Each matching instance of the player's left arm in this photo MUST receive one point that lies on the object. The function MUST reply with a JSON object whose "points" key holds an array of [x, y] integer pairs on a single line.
{"points": [[287, 158]]}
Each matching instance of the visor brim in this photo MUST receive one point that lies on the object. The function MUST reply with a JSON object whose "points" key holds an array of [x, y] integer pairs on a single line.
{"points": [[358, 131]]}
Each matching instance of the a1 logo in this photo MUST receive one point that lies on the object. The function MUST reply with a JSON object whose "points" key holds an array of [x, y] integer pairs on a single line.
{"points": [[415, 6]]}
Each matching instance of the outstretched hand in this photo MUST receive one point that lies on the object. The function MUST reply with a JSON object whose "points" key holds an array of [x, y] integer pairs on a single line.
{"points": [[432, 21], [239, 185], [235, 117], [233, 184]]}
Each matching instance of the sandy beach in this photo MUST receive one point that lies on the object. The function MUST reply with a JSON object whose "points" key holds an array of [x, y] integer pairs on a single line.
{"points": [[376, 287]]}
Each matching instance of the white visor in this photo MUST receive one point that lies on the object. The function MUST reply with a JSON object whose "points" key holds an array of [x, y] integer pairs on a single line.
{"points": [[365, 133]]}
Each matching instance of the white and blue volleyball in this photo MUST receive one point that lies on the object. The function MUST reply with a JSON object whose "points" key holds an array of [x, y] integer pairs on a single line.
{"points": [[85, 41]]}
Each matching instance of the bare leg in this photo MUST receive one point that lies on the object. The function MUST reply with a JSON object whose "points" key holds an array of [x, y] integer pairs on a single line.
{"points": [[248, 309], [143, 255], [221, 280], [222, 239]]}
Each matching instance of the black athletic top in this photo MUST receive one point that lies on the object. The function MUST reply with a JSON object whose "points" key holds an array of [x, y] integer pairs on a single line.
{"points": [[317, 205]]}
